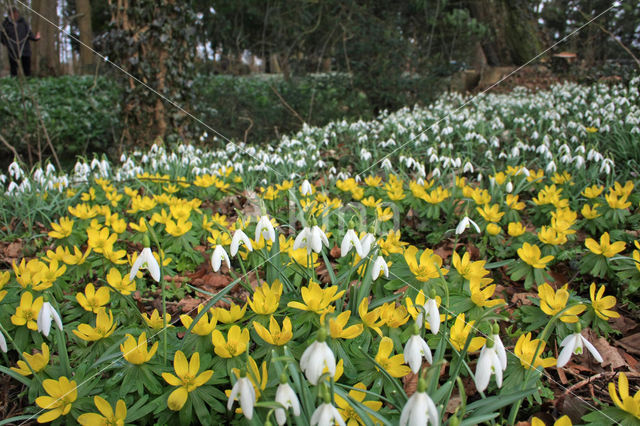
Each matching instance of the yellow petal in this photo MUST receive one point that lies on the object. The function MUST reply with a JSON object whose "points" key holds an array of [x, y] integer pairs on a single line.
{"points": [[177, 399]]}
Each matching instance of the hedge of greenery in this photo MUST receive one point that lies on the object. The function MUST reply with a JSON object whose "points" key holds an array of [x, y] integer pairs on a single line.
{"points": [[81, 114]]}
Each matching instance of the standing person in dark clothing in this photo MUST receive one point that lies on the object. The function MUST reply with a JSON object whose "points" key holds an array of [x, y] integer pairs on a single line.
{"points": [[16, 34]]}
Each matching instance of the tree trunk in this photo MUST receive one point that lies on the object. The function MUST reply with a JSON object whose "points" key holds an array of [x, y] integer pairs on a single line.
{"points": [[514, 36], [46, 57], [83, 8], [37, 26]]}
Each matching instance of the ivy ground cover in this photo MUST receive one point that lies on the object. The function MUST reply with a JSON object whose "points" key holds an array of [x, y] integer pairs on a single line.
{"points": [[410, 270]]}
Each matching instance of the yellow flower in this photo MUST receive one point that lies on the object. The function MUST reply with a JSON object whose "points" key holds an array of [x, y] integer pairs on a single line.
{"points": [[155, 321], [525, 350], [178, 228], [513, 202], [500, 178], [136, 353], [392, 243], [593, 191], [467, 268], [83, 211], [108, 417], [187, 378], [552, 302], [590, 212], [62, 393], [47, 275], [373, 181], [337, 330], [394, 316], [480, 196], [515, 229], [531, 255], [348, 413], [481, 296], [234, 314], [371, 202], [549, 235], [204, 326], [384, 214], [92, 300], [625, 402], [560, 179], [493, 229], [27, 311], [98, 240], [120, 282], [316, 299], [490, 213], [562, 421], [103, 329], [236, 343], [602, 305], [605, 248], [77, 258], [370, 319], [139, 204], [37, 362], [266, 299], [460, 332], [275, 335], [63, 229], [437, 195], [115, 256], [392, 364], [617, 202], [429, 266]]}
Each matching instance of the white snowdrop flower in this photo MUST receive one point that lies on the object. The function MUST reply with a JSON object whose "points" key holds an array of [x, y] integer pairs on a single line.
{"points": [[365, 155], [579, 161], [311, 238], [509, 187], [123, 158], [436, 172], [245, 394], [414, 351], [219, 254], [606, 166], [51, 169], [464, 224], [265, 229], [379, 267], [367, 242], [492, 360], [316, 358], [574, 344], [326, 415], [566, 159], [46, 314], [501, 156], [433, 158], [3, 343], [349, 241], [468, 167], [306, 188], [239, 237], [286, 396], [551, 167], [38, 175], [420, 409], [15, 171], [146, 260], [386, 164], [95, 163]]}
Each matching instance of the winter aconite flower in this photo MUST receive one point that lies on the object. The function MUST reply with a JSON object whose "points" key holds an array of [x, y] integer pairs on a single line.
{"points": [[338, 329], [316, 299], [103, 329], [602, 305], [275, 335], [186, 377], [92, 299], [27, 311], [428, 266], [235, 344], [626, 402], [37, 362], [605, 248], [391, 364], [107, 415], [526, 349], [553, 302], [136, 352], [460, 332], [531, 255], [61, 394], [346, 410], [266, 298]]}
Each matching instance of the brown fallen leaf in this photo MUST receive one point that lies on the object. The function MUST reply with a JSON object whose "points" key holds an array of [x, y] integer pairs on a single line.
{"points": [[335, 252], [212, 281], [522, 298], [630, 343], [624, 324], [14, 250]]}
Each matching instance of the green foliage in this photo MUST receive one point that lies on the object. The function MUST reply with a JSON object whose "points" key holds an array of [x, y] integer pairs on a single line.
{"points": [[79, 113]]}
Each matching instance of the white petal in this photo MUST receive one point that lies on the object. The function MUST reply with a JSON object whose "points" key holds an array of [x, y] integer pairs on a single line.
{"points": [[136, 267], [499, 348], [44, 320], [216, 259], [234, 394], [412, 354], [433, 315], [565, 355], [247, 397], [591, 349], [3, 343], [301, 240], [483, 370]]}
